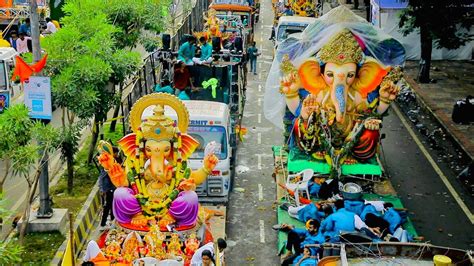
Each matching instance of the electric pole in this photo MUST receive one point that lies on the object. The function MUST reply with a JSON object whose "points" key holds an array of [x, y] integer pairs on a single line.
{"points": [[45, 210]]}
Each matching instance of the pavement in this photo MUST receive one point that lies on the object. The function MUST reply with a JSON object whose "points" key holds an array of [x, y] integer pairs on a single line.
{"points": [[454, 81]]}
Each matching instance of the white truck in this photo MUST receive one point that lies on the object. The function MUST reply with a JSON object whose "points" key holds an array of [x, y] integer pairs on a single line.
{"points": [[211, 121], [288, 25]]}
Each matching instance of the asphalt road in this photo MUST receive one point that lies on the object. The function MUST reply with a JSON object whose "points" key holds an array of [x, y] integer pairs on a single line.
{"points": [[251, 213], [435, 210]]}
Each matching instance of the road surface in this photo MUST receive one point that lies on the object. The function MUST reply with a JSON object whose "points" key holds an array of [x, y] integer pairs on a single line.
{"points": [[437, 212]]}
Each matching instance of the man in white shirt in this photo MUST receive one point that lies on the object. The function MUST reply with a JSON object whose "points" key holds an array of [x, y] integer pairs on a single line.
{"points": [[197, 257], [50, 27], [22, 43]]}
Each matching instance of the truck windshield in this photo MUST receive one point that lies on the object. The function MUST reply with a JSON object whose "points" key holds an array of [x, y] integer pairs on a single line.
{"points": [[285, 30], [206, 134]]}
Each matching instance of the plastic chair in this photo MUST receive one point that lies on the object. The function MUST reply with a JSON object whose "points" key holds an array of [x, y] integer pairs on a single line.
{"points": [[301, 185]]}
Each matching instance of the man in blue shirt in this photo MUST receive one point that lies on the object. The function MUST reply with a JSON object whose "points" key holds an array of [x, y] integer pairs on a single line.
{"points": [[298, 238], [206, 52], [187, 50], [25, 28], [343, 221], [252, 53]]}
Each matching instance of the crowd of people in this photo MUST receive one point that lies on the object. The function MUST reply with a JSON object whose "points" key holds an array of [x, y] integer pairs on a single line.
{"points": [[189, 54], [336, 220], [21, 40]]}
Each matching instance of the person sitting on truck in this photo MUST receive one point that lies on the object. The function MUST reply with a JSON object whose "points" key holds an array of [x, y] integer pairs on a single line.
{"points": [[165, 87], [182, 78], [206, 52], [343, 221], [307, 258], [187, 50], [298, 238], [310, 211]]}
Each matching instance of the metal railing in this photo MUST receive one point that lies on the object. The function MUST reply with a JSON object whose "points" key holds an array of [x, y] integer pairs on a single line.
{"points": [[143, 82]]}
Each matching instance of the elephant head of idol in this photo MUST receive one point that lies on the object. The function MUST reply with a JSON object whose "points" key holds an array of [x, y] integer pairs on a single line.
{"points": [[340, 66]]}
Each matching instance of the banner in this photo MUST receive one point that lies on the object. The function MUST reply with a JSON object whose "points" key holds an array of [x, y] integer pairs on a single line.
{"points": [[4, 100], [38, 97]]}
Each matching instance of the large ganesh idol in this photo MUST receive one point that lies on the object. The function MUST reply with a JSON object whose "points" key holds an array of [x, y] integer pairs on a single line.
{"points": [[336, 83], [155, 186]]}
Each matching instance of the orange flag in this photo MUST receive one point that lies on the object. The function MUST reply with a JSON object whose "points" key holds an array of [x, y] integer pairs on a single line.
{"points": [[40, 65], [24, 71]]}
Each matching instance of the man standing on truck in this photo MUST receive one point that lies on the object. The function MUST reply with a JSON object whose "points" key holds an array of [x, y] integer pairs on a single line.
{"points": [[187, 50], [252, 53], [182, 79]]}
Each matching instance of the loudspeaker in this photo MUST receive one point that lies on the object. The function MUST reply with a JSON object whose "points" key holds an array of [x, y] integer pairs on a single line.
{"points": [[239, 44], [166, 41], [216, 44]]}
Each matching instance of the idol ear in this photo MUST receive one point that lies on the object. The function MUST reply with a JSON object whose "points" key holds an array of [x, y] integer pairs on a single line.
{"points": [[369, 77], [310, 76]]}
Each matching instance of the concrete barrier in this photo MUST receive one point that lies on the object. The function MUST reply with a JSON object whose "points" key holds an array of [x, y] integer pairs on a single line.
{"points": [[83, 225]]}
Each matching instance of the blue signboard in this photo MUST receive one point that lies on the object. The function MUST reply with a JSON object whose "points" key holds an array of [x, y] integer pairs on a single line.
{"points": [[4, 100], [392, 4], [38, 97]]}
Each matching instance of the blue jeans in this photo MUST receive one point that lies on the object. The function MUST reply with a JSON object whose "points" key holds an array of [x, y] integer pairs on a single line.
{"points": [[253, 65]]}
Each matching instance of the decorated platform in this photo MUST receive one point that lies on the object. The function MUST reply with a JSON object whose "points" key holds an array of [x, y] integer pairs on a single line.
{"points": [[299, 161]]}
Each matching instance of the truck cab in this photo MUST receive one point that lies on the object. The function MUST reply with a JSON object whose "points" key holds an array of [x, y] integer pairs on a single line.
{"points": [[211, 121], [7, 88], [288, 25]]}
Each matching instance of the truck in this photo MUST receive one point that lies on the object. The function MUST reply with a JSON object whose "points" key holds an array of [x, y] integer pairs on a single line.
{"points": [[236, 16], [7, 88], [288, 25], [211, 121]]}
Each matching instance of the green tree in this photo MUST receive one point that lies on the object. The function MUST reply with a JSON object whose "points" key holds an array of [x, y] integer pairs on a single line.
{"points": [[9, 253], [84, 58], [25, 158], [444, 22], [138, 22]]}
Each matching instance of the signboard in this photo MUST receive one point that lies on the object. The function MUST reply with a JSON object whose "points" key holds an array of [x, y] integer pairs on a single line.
{"points": [[4, 100], [392, 4], [38, 97]]}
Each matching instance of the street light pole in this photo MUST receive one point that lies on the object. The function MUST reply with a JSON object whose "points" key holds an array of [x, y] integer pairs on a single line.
{"points": [[45, 210]]}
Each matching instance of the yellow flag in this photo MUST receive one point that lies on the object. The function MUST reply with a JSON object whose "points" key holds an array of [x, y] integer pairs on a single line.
{"points": [[68, 257]]}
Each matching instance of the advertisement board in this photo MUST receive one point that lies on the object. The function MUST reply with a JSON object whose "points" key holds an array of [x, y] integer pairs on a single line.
{"points": [[38, 97]]}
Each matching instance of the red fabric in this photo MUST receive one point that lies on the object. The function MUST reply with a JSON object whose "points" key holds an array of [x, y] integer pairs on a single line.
{"points": [[102, 238], [24, 71], [181, 79], [40, 65]]}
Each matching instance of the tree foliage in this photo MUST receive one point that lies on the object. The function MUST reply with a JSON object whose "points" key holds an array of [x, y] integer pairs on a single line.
{"points": [[9, 252], [18, 151], [448, 21], [25, 149]]}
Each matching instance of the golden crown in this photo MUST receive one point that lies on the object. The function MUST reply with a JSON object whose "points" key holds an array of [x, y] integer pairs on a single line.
{"points": [[158, 127], [342, 48]]}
